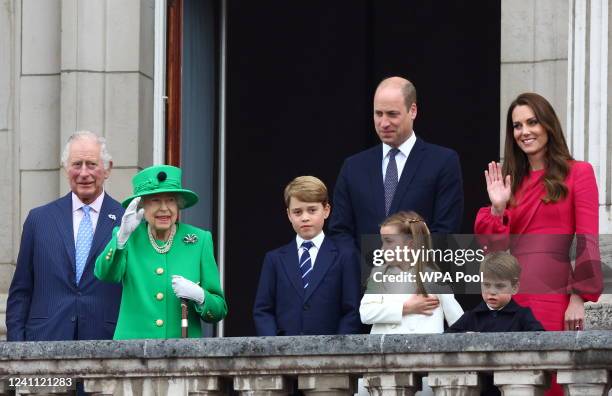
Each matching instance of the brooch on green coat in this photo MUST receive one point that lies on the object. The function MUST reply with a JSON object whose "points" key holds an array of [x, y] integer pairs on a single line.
{"points": [[190, 238]]}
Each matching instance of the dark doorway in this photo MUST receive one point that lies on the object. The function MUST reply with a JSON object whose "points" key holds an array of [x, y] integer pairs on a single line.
{"points": [[300, 80]]}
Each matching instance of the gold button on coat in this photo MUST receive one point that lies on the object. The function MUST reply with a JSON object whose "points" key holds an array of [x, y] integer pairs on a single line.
{"points": [[159, 322], [159, 296], [159, 271]]}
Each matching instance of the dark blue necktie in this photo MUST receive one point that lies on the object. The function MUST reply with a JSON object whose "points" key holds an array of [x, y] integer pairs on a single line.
{"points": [[391, 179], [306, 262]]}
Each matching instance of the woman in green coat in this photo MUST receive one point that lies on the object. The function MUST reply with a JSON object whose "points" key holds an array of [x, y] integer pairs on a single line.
{"points": [[160, 261]]}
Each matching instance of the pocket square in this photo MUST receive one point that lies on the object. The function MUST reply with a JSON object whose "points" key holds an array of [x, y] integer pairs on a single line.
{"points": [[112, 217]]}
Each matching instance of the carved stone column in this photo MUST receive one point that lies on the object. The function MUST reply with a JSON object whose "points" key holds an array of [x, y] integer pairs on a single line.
{"points": [[101, 386], [455, 383], [212, 386], [584, 382], [4, 390], [262, 385], [521, 383], [396, 384], [327, 385]]}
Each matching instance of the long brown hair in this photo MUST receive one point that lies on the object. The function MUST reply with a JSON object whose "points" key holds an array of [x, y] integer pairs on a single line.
{"points": [[516, 163], [410, 223]]}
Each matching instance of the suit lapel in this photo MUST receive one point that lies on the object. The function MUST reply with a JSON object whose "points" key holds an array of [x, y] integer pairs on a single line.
{"points": [[104, 228], [376, 180], [289, 262], [107, 220], [63, 219], [325, 258], [410, 168]]}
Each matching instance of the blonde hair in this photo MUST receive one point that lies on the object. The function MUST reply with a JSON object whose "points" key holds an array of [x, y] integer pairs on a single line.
{"points": [[306, 189], [501, 265], [411, 223]]}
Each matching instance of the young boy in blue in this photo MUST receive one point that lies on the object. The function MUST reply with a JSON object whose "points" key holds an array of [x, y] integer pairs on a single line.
{"points": [[498, 312], [310, 286]]}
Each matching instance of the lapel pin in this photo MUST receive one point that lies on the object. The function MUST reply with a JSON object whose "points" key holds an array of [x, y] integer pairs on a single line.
{"points": [[190, 238], [112, 217]]}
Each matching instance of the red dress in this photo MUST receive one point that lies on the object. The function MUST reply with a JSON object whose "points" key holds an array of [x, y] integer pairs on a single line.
{"points": [[544, 254], [539, 235]]}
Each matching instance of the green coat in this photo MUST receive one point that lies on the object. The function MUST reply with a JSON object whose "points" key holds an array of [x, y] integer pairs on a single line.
{"points": [[149, 308]]}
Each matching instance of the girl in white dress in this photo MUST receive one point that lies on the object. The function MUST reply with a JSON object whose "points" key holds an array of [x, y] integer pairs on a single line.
{"points": [[409, 306]]}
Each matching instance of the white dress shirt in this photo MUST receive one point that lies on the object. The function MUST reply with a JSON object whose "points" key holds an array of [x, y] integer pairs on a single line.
{"points": [[77, 213], [317, 241], [400, 158]]}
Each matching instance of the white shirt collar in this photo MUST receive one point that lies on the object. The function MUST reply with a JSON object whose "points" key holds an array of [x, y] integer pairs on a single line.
{"points": [[96, 205], [317, 241], [498, 309], [404, 148]]}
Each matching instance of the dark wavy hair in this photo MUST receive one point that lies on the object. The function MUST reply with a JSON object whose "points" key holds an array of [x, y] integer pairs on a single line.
{"points": [[557, 154]]}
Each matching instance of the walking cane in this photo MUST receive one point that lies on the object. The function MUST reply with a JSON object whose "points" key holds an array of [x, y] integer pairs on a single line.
{"points": [[184, 318]]}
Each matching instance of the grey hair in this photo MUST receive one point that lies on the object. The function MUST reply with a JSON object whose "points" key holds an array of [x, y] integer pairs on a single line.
{"points": [[104, 154]]}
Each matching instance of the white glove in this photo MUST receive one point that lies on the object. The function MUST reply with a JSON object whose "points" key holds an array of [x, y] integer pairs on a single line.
{"points": [[129, 222], [184, 288]]}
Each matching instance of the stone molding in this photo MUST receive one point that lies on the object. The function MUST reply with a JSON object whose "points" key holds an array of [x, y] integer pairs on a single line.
{"points": [[322, 365]]}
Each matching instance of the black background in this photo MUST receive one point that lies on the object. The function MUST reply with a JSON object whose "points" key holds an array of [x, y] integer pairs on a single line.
{"points": [[301, 77]]}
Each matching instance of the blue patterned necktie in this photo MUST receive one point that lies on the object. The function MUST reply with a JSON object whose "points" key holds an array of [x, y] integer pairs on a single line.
{"points": [[83, 242], [306, 263], [391, 179]]}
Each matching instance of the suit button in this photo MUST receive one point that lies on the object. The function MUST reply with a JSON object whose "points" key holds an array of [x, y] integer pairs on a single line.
{"points": [[306, 307], [159, 296], [72, 318], [159, 323], [159, 271]]}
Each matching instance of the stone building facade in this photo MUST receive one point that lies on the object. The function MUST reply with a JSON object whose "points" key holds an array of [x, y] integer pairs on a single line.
{"points": [[68, 65]]}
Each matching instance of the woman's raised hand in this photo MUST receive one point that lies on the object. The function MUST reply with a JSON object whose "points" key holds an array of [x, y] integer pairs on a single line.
{"points": [[498, 187], [129, 222]]}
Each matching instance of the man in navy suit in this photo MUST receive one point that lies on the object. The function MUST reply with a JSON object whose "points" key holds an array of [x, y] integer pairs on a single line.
{"points": [[402, 173], [54, 295], [311, 285]]}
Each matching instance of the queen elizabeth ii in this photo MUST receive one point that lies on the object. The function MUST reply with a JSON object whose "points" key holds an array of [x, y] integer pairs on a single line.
{"points": [[160, 261]]}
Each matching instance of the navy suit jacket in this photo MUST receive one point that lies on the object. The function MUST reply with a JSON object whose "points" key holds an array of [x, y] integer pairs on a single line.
{"points": [[328, 306], [512, 317], [430, 185], [44, 303]]}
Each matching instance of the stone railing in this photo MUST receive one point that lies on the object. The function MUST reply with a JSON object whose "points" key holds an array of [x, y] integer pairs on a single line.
{"points": [[521, 364]]}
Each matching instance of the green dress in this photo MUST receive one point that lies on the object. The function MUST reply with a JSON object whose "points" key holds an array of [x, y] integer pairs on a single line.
{"points": [[149, 307]]}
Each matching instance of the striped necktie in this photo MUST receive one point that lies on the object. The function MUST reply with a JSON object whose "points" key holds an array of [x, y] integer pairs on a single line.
{"points": [[306, 263]]}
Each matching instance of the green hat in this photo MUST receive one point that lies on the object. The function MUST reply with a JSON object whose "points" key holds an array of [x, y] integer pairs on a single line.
{"points": [[160, 179]]}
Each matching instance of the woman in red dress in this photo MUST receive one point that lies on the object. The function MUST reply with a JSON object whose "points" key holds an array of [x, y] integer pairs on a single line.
{"points": [[543, 192]]}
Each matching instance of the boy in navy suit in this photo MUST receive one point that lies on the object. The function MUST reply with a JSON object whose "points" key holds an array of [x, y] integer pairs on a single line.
{"points": [[497, 311], [310, 286]]}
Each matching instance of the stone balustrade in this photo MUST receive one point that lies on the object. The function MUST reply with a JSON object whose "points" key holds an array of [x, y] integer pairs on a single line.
{"points": [[521, 364]]}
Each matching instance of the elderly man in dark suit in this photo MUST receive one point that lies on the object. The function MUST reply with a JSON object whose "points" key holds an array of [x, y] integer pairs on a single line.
{"points": [[402, 173], [54, 294]]}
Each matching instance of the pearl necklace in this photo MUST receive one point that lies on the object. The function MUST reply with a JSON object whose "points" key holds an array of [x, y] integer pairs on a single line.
{"points": [[167, 245]]}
